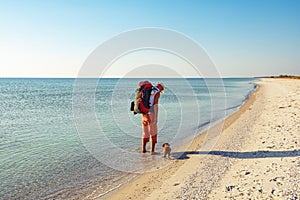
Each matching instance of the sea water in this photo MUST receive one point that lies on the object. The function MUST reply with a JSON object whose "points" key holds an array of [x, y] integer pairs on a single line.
{"points": [[60, 138]]}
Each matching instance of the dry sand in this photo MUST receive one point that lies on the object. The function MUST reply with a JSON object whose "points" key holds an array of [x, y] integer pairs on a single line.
{"points": [[257, 155]]}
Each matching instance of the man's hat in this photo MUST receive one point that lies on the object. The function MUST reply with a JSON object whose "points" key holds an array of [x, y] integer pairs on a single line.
{"points": [[161, 87]]}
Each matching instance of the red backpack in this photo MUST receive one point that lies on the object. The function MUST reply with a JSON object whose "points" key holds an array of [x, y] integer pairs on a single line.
{"points": [[141, 103]]}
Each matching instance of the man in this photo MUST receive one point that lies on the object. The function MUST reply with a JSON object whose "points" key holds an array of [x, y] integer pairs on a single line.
{"points": [[149, 120]]}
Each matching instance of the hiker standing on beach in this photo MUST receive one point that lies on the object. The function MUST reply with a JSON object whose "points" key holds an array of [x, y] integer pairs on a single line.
{"points": [[149, 120]]}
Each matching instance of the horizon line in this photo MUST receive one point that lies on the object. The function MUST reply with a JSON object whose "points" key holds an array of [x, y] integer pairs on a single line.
{"points": [[28, 77]]}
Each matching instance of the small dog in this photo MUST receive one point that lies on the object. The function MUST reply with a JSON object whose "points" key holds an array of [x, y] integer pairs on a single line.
{"points": [[167, 150]]}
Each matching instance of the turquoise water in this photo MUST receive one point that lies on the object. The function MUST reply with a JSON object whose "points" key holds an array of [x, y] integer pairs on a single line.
{"points": [[56, 142]]}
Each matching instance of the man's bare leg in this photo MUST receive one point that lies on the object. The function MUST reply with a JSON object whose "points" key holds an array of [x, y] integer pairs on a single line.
{"points": [[144, 143]]}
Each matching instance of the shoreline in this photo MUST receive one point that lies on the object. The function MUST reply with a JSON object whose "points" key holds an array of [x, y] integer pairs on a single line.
{"points": [[257, 156], [138, 186]]}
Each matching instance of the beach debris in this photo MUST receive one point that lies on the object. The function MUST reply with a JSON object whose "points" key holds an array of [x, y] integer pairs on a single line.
{"points": [[246, 173], [176, 184], [229, 188], [271, 146], [273, 191]]}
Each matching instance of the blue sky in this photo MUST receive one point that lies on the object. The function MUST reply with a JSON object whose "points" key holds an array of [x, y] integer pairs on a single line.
{"points": [[52, 38]]}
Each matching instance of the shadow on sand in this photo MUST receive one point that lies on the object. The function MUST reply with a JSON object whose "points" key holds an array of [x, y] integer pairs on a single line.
{"points": [[240, 155]]}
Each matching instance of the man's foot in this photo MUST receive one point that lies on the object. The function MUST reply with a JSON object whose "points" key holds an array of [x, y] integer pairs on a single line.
{"points": [[152, 152], [144, 151]]}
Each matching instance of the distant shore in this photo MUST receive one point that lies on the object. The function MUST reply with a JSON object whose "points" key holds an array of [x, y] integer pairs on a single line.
{"points": [[257, 155], [282, 76]]}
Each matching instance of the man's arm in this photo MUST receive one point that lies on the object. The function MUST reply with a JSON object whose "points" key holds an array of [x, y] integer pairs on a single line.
{"points": [[155, 109]]}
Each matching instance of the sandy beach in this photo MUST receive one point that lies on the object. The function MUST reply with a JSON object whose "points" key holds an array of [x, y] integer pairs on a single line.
{"points": [[257, 155]]}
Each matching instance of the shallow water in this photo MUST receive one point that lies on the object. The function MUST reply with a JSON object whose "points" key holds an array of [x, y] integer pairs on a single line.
{"points": [[53, 144]]}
